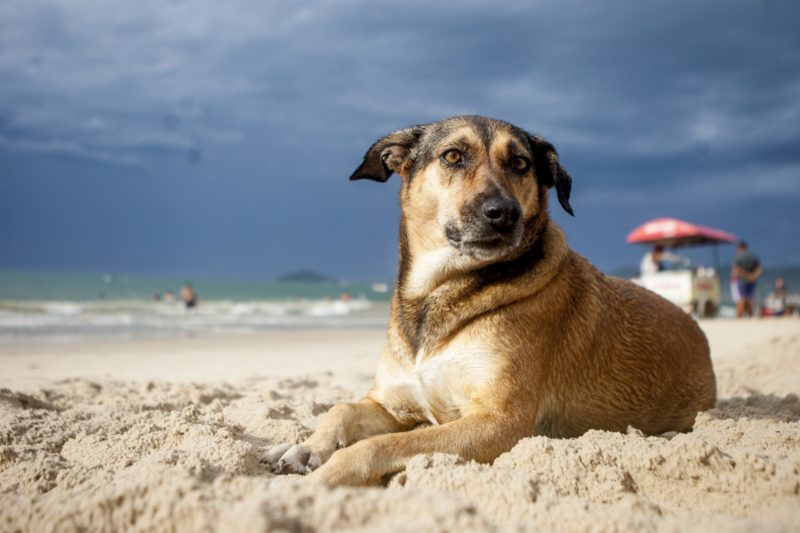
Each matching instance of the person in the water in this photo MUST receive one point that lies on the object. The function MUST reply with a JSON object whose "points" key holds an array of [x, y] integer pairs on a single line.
{"points": [[188, 295]]}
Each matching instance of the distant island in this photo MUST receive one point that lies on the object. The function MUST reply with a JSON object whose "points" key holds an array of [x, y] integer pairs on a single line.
{"points": [[305, 276]]}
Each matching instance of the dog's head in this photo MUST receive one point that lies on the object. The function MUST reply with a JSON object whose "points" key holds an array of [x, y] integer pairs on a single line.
{"points": [[471, 183]]}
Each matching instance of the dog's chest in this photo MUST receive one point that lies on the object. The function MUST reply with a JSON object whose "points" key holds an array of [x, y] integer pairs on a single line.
{"points": [[440, 386]]}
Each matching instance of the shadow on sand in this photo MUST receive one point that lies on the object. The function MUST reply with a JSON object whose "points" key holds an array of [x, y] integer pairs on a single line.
{"points": [[759, 406]]}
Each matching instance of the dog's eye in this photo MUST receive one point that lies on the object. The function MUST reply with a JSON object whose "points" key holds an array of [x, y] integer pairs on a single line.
{"points": [[520, 164], [452, 157]]}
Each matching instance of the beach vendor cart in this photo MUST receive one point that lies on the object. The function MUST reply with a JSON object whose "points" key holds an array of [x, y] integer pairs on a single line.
{"points": [[694, 289]]}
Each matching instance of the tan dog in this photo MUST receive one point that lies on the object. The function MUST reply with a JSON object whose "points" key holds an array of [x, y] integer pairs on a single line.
{"points": [[498, 330]]}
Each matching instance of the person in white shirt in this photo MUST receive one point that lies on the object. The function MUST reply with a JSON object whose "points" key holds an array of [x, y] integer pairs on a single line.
{"points": [[656, 259]]}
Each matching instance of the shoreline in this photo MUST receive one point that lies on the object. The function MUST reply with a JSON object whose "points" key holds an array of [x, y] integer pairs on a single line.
{"points": [[224, 357], [214, 357]]}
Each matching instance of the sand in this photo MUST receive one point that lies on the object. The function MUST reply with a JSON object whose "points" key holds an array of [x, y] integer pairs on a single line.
{"points": [[170, 435]]}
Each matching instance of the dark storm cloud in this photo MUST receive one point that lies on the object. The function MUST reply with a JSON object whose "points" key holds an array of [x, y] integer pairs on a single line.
{"points": [[657, 107]]}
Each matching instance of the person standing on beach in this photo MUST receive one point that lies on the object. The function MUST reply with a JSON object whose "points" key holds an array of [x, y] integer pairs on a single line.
{"points": [[746, 270]]}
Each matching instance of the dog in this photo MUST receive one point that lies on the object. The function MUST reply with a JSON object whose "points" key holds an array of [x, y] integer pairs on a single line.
{"points": [[498, 331]]}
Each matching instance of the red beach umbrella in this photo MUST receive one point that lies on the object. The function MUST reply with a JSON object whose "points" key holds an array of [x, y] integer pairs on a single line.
{"points": [[673, 232]]}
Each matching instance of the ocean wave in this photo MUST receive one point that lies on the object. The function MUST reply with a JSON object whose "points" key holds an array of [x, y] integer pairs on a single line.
{"points": [[63, 308], [132, 318], [336, 308]]}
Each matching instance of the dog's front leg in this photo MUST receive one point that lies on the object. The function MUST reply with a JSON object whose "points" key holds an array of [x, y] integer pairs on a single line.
{"points": [[343, 425], [481, 437]]}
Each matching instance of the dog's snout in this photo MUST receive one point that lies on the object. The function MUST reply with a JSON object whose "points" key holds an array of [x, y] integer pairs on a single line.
{"points": [[500, 213]]}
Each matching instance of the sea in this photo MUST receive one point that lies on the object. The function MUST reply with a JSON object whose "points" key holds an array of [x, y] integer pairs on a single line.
{"points": [[46, 306]]}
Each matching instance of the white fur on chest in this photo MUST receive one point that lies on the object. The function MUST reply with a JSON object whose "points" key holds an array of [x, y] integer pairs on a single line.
{"points": [[431, 267], [440, 386]]}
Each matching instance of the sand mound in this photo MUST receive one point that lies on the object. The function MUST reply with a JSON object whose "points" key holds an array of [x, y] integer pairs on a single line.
{"points": [[117, 455]]}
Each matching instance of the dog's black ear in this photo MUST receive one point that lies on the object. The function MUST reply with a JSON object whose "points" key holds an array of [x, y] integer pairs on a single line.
{"points": [[550, 171], [388, 155]]}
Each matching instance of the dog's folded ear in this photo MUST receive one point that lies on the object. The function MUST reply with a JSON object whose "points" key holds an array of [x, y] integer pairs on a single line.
{"points": [[388, 155], [550, 171]]}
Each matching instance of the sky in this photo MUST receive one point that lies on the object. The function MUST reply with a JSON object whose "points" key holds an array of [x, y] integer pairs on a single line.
{"points": [[207, 138]]}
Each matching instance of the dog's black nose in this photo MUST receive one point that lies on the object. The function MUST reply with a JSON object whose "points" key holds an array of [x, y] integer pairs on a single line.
{"points": [[501, 213]]}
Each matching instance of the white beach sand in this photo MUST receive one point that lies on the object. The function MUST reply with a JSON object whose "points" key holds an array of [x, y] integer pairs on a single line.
{"points": [[168, 435]]}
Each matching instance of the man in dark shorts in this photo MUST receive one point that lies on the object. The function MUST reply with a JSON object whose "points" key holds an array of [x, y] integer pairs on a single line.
{"points": [[746, 270]]}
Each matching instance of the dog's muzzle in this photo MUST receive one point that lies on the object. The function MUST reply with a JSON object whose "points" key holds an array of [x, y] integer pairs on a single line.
{"points": [[487, 230]]}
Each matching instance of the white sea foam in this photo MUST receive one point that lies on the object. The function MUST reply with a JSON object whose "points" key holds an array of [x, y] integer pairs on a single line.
{"points": [[336, 308], [63, 308], [132, 318]]}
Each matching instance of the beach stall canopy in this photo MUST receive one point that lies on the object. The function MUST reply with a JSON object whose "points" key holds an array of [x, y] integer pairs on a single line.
{"points": [[674, 232]]}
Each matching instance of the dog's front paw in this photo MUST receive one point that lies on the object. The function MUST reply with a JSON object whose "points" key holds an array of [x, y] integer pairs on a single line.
{"points": [[288, 459], [275, 453], [354, 466]]}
